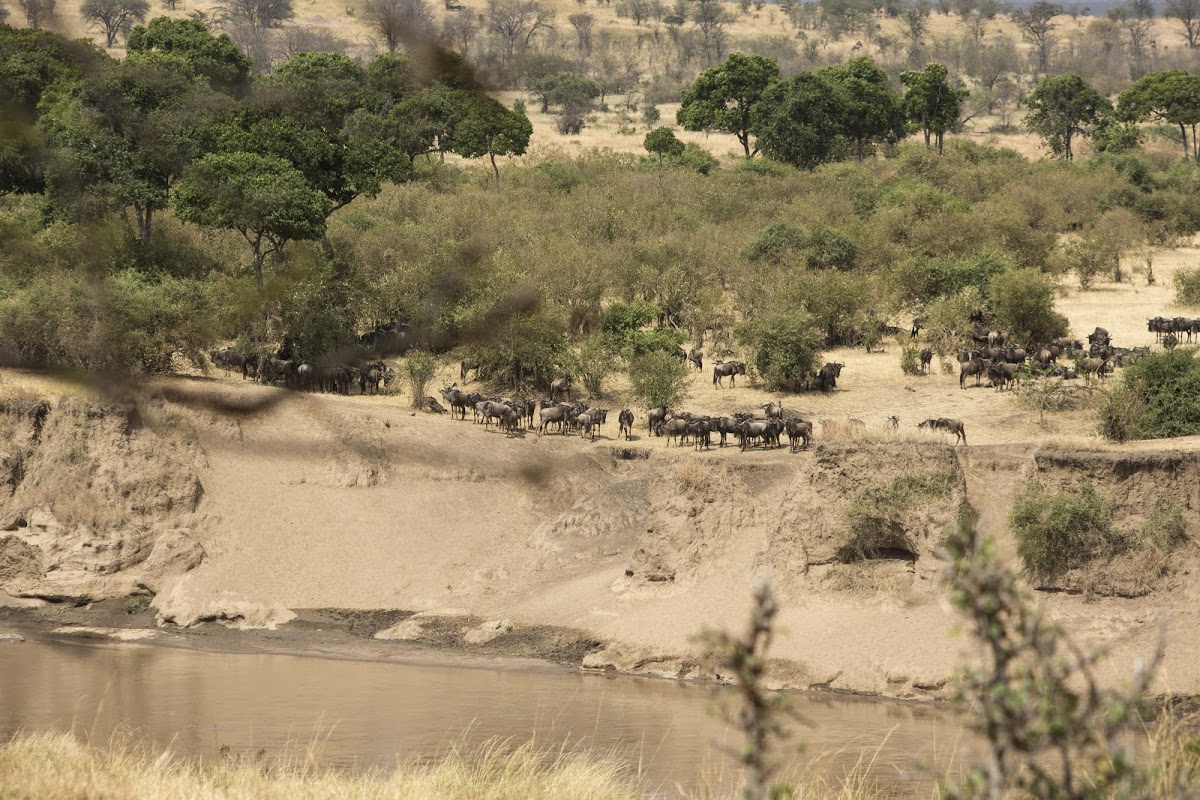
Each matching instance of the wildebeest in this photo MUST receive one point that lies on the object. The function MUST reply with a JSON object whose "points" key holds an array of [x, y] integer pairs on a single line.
{"points": [[828, 375], [760, 429], [954, 426], [700, 429], [926, 356], [1001, 374], [587, 426], [673, 429], [725, 426], [561, 386], [976, 366], [553, 415], [457, 399], [773, 410], [727, 369], [893, 422], [1093, 366], [1099, 336], [696, 358], [798, 429], [995, 339], [434, 406], [625, 423], [655, 416]]}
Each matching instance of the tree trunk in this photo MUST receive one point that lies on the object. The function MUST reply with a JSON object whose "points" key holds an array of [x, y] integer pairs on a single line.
{"points": [[1183, 132], [860, 149], [941, 140], [495, 169], [326, 246], [144, 219], [259, 257], [744, 137]]}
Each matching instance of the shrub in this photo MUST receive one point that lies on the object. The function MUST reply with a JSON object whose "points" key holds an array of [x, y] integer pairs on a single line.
{"points": [[618, 318], [596, 361], [775, 243], [1022, 301], [658, 378], [1187, 287], [786, 345], [910, 359], [419, 369], [137, 604], [1057, 532], [877, 516], [1155, 398], [922, 280]]}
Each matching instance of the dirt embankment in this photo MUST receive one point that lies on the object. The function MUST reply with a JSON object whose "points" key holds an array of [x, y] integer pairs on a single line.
{"points": [[555, 547]]}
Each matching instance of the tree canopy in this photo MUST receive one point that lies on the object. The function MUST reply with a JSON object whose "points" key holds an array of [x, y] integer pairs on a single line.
{"points": [[1170, 96], [723, 97], [1062, 107]]}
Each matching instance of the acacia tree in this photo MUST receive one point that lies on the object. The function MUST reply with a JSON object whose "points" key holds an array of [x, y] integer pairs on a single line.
{"points": [[1170, 96], [871, 111], [518, 21], [396, 20], [723, 97], [1037, 27], [37, 11], [216, 58], [1062, 107], [931, 103], [1188, 14], [113, 17], [799, 121], [263, 198]]}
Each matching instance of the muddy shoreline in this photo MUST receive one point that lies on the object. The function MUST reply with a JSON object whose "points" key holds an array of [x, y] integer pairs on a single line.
{"points": [[348, 635]]}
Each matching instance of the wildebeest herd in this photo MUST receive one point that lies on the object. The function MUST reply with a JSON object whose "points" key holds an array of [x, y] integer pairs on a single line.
{"points": [[1008, 366], [308, 376]]}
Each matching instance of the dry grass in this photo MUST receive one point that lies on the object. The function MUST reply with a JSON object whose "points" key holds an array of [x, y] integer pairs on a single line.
{"points": [[53, 766]]}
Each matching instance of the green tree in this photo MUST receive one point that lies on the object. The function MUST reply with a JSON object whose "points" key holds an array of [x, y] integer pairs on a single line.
{"points": [[723, 97], [1188, 14], [786, 346], [658, 378], [126, 132], [259, 14], [1037, 27], [1062, 107], [799, 121], [1022, 301], [871, 111], [31, 61], [1170, 96], [931, 103], [489, 129], [217, 58], [113, 17], [662, 142], [264, 198]]}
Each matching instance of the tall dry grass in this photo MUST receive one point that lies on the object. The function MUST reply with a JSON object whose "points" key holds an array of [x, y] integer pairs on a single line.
{"points": [[51, 766]]}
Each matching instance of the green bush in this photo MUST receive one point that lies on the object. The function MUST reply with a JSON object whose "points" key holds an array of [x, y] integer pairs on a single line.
{"points": [[1058, 532], [618, 318], [876, 515], [419, 369], [775, 243], [1022, 302], [1187, 287], [786, 347], [659, 379], [921, 280], [910, 359], [1156, 398], [596, 361]]}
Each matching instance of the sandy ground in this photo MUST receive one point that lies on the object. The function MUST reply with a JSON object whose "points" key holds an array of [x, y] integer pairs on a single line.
{"points": [[361, 503]]}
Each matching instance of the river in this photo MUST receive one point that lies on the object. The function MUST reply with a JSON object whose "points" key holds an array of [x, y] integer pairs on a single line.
{"points": [[368, 714]]}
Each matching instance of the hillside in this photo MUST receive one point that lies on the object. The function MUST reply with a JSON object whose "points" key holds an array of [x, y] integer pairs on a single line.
{"points": [[500, 542]]}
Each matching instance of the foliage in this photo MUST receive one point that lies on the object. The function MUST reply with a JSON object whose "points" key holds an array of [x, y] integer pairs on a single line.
{"points": [[662, 142], [216, 58], [137, 604], [419, 370], [910, 359], [1062, 107], [724, 97], [871, 109], [786, 346], [489, 129], [596, 361], [1058, 532], [931, 103], [1022, 301], [1150, 401], [1035, 696], [1169, 96], [1187, 286], [920, 280], [875, 515], [659, 379], [799, 120], [949, 321], [1051, 394], [113, 17]]}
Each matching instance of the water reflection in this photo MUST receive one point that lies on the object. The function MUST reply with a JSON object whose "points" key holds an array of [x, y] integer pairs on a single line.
{"points": [[373, 714]]}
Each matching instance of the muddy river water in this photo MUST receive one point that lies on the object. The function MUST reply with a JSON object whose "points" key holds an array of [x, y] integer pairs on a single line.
{"points": [[374, 714]]}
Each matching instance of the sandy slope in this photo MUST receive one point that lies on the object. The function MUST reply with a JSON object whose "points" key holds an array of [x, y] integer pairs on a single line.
{"points": [[358, 502]]}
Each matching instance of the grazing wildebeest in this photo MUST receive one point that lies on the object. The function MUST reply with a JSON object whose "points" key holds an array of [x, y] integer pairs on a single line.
{"points": [[798, 429], [926, 356], [625, 424], [561, 386], [727, 369], [696, 358], [655, 416], [1093, 366], [954, 426], [827, 376], [976, 366]]}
